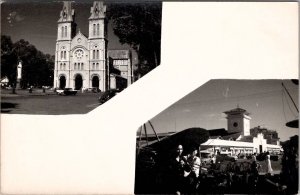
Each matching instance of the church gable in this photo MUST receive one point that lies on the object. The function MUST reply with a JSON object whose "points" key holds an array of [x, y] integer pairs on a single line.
{"points": [[79, 40], [98, 10], [67, 14]]}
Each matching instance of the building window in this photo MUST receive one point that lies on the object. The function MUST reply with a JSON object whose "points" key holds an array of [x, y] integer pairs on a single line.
{"points": [[66, 31], [97, 66], [63, 55], [93, 67], [97, 56], [62, 31], [94, 29], [75, 66], [93, 54], [64, 66], [60, 67], [81, 66], [97, 29]]}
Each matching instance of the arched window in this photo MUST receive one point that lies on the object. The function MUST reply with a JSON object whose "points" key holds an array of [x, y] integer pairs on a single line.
{"points": [[64, 66], [97, 29], [97, 56], [93, 67], [62, 31], [93, 54], [60, 67], [66, 31], [65, 55], [81, 66], [94, 29], [61, 55], [97, 66], [75, 66]]}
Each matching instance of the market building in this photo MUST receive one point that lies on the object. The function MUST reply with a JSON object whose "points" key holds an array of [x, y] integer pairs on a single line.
{"points": [[83, 61], [239, 138]]}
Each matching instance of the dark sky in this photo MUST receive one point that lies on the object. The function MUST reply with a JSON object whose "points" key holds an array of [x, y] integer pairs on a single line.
{"points": [[37, 23], [266, 101]]}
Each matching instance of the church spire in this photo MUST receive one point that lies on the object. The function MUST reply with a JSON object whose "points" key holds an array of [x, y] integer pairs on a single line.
{"points": [[67, 14], [98, 10]]}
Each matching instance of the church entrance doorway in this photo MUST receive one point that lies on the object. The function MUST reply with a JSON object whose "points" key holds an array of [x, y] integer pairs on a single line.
{"points": [[78, 82], [95, 81], [62, 82]]}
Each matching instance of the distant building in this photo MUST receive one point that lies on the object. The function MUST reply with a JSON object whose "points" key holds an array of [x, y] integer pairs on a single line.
{"points": [[239, 138], [270, 135], [4, 81], [83, 61]]}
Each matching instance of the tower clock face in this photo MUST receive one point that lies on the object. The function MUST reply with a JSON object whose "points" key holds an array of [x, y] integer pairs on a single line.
{"points": [[235, 124], [79, 54]]}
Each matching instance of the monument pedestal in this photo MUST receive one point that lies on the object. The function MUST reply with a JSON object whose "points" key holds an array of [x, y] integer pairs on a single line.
{"points": [[18, 86]]}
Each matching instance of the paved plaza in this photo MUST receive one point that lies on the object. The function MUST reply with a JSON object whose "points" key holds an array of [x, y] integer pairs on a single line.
{"points": [[48, 103]]}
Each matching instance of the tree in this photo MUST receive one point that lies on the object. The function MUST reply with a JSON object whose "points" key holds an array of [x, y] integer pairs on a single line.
{"points": [[37, 68], [139, 25], [8, 59]]}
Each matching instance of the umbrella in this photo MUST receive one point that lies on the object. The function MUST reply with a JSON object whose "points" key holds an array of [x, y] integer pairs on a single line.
{"points": [[190, 139], [293, 124]]}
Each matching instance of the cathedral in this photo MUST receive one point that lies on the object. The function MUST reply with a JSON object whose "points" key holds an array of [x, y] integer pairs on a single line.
{"points": [[82, 61]]}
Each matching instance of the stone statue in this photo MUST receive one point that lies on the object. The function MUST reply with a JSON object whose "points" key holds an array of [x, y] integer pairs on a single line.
{"points": [[19, 71]]}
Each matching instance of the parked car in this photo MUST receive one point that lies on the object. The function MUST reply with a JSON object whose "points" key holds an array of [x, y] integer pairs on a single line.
{"points": [[70, 91], [59, 91], [108, 95], [206, 157]]}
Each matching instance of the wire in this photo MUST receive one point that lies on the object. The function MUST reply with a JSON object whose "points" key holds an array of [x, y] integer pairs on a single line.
{"points": [[290, 96], [282, 92], [285, 95]]}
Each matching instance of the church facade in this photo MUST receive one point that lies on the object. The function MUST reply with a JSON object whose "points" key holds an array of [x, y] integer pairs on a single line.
{"points": [[84, 61]]}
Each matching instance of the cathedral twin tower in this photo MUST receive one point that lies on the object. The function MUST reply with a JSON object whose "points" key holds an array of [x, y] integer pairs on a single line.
{"points": [[82, 62]]}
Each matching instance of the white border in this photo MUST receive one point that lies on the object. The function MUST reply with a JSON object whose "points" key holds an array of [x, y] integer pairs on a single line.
{"points": [[95, 153]]}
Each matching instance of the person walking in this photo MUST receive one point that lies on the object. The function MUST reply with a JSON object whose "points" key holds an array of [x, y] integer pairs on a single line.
{"points": [[176, 171], [268, 162]]}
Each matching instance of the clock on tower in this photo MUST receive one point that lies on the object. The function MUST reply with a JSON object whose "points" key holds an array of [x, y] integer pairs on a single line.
{"points": [[238, 121]]}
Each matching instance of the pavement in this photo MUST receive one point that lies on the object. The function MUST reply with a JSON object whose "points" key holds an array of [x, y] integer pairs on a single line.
{"points": [[46, 103]]}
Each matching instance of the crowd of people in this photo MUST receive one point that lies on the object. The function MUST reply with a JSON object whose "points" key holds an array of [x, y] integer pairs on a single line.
{"points": [[184, 173]]}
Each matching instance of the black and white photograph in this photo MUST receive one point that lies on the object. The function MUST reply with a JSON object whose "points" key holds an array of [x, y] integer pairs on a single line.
{"points": [[149, 97], [227, 136], [86, 52]]}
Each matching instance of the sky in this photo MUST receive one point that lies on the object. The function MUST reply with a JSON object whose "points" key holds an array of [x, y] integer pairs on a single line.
{"points": [[266, 101], [37, 23]]}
